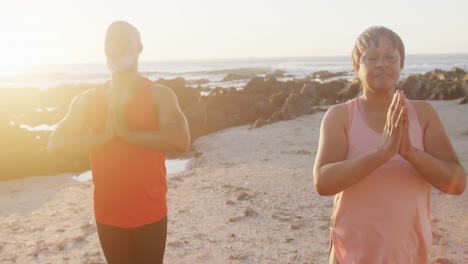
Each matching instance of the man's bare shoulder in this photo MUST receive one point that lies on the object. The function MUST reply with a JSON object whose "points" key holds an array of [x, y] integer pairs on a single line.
{"points": [[74, 119], [160, 88], [162, 93], [83, 97]]}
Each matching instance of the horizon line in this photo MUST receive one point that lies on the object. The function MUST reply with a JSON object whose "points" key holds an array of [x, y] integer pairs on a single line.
{"points": [[220, 59]]}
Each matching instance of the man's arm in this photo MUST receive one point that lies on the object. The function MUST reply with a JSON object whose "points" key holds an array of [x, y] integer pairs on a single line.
{"points": [[173, 134], [71, 137]]}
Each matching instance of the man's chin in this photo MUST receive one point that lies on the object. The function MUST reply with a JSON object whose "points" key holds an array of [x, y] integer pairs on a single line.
{"points": [[119, 71], [122, 66], [115, 70]]}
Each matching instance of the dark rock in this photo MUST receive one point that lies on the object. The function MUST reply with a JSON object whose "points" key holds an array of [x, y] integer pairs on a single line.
{"points": [[278, 99], [464, 88], [445, 90], [276, 74], [327, 75], [229, 104], [292, 86], [215, 120], [413, 87], [295, 106], [350, 91], [198, 82], [260, 85], [436, 75], [259, 123], [265, 109], [275, 117], [237, 76], [463, 100], [196, 119], [215, 91], [324, 93], [309, 90], [458, 71]]}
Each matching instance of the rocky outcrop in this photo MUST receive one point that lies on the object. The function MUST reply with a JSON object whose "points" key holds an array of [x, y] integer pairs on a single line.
{"points": [[435, 85], [264, 100], [237, 77], [324, 75]]}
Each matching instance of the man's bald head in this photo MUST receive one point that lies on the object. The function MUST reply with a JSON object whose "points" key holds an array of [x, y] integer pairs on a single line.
{"points": [[122, 45], [122, 30]]}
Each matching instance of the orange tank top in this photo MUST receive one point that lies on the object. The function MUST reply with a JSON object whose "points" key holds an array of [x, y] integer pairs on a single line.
{"points": [[384, 218], [129, 180]]}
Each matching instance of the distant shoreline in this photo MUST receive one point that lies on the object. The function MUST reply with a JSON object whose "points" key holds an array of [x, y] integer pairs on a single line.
{"points": [[144, 61], [214, 70]]}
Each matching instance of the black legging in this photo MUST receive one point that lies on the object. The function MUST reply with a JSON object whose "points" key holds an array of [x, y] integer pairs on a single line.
{"points": [[141, 245]]}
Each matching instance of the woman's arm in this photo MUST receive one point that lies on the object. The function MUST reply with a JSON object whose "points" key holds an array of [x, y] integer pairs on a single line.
{"points": [[438, 164], [334, 173]]}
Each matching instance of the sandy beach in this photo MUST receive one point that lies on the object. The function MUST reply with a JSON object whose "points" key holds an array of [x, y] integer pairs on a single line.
{"points": [[248, 198]]}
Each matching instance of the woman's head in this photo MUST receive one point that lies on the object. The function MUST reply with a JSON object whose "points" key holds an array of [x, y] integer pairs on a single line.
{"points": [[371, 37], [378, 56]]}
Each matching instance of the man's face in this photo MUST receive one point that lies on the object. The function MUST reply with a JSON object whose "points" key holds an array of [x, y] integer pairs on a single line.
{"points": [[122, 48]]}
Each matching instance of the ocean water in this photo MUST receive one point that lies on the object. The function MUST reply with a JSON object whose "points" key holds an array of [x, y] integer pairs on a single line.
{"points": [[215, 70]]}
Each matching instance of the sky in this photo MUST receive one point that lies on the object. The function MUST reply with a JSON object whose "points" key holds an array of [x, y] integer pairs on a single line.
{"points": [[64, 31]]}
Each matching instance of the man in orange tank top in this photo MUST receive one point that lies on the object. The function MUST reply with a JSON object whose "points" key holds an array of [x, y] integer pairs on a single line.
{"points": [[126, 128]]}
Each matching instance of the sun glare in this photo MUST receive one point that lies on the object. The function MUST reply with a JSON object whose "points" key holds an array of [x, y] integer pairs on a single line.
{"points": [[19, 51], [25, 44]]}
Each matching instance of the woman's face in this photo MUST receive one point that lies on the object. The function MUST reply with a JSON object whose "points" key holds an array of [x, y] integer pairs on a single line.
{"points": [[379, 67]]}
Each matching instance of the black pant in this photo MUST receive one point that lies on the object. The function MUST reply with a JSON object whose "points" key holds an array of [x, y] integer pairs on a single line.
{"points": [[141, 245]]}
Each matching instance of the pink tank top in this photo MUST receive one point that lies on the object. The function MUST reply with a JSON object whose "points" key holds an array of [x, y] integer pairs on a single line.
{"points": [[384, 218]]}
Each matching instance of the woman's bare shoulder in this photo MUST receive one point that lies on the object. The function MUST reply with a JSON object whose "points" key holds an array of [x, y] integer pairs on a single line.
{"points": [[420, 104], [424, 110], [337, 114]]}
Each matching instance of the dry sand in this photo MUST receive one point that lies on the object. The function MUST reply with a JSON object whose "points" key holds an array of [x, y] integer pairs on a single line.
{"points": [[248, 199]]}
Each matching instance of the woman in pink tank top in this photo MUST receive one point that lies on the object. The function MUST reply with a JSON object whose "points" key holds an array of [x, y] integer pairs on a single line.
{"points": [[379, 154]]}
